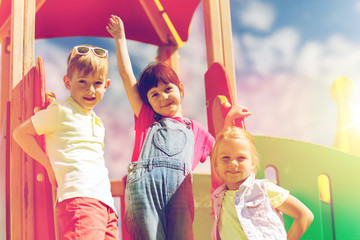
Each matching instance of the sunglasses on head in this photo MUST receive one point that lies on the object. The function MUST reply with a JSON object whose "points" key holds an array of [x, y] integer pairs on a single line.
{"points": [[83, 50]]}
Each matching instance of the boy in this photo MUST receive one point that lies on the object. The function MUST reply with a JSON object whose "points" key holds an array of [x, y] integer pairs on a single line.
{"points": [[75, 141]]}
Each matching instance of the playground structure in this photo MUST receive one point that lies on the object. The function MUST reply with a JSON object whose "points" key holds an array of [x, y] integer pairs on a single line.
{"points": [[321, 177]]}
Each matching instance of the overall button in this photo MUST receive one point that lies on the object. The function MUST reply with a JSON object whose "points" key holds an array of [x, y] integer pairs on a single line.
{"points": [[131, 166]]}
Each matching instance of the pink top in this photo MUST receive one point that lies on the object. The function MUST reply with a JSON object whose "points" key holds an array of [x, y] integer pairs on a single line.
{"points": [[203, 139]]}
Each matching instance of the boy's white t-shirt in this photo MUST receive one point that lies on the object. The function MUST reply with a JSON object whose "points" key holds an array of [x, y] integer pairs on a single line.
{"points": [[74, 142]]}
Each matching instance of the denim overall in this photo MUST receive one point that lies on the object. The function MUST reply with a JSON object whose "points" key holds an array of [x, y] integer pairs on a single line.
{"points": [[158, 196]]}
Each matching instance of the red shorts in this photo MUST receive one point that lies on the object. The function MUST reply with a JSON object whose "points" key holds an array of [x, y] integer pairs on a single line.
{"points": [[86, 218]]}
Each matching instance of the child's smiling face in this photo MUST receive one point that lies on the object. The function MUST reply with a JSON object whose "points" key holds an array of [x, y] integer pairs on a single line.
{"points": [[86, 90], [165, 99], [234, 163]]}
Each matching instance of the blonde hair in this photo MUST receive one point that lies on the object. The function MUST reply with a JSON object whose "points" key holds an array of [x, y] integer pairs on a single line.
{"points": [[232, 133], [87, 63]]}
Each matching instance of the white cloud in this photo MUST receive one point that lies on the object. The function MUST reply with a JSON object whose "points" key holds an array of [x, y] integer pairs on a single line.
{"points": [[291, 81], [326, 61], [274, 52], [141, 54], [309, 59], [239, 61], [54, 64], [357, 5], [312, 60], [192, 68], [257, 15]]}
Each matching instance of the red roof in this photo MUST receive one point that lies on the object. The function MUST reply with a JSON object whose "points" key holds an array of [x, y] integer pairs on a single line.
{"points": [[65, 18]]}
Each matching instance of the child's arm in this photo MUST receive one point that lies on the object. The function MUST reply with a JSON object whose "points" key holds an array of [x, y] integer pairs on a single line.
{"points": [[300, 213], [24, 135], [116, 28]]}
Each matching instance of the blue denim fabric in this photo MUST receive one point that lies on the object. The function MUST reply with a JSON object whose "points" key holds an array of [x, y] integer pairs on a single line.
{"points": [[158, 197]]}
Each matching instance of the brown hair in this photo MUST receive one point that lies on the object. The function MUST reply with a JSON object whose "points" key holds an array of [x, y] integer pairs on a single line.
{"points": [[153, 74], [87, 63], [232, 132]]}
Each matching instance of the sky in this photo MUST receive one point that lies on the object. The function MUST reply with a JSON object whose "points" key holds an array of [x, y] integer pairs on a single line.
{"points": [[287, 54]]}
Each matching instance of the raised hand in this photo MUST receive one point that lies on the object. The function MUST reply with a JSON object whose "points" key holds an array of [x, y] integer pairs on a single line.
{"points": [[236, 116], [116, 27]]}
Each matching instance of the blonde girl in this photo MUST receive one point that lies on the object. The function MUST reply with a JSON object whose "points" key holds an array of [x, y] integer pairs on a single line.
{"points": [[245, 207]]}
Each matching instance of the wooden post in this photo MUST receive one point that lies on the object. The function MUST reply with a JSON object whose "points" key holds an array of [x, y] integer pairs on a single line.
{"points": [[218, 37], [220, 83], [213, 38], [21, 169], [227, 44], [5, 76], [16, 155], [169, 54]]}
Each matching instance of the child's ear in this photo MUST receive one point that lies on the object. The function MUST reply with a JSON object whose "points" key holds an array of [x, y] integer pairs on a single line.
{"points": [[107, 83], [181, 89], [67, 82], [253, 167]]}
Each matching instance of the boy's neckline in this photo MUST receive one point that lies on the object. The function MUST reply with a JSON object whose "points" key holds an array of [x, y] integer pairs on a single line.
{"points": [[78, 107]]}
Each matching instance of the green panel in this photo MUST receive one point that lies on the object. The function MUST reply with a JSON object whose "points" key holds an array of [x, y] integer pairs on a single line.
{"points": [[299, 165], [326, 221]]}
